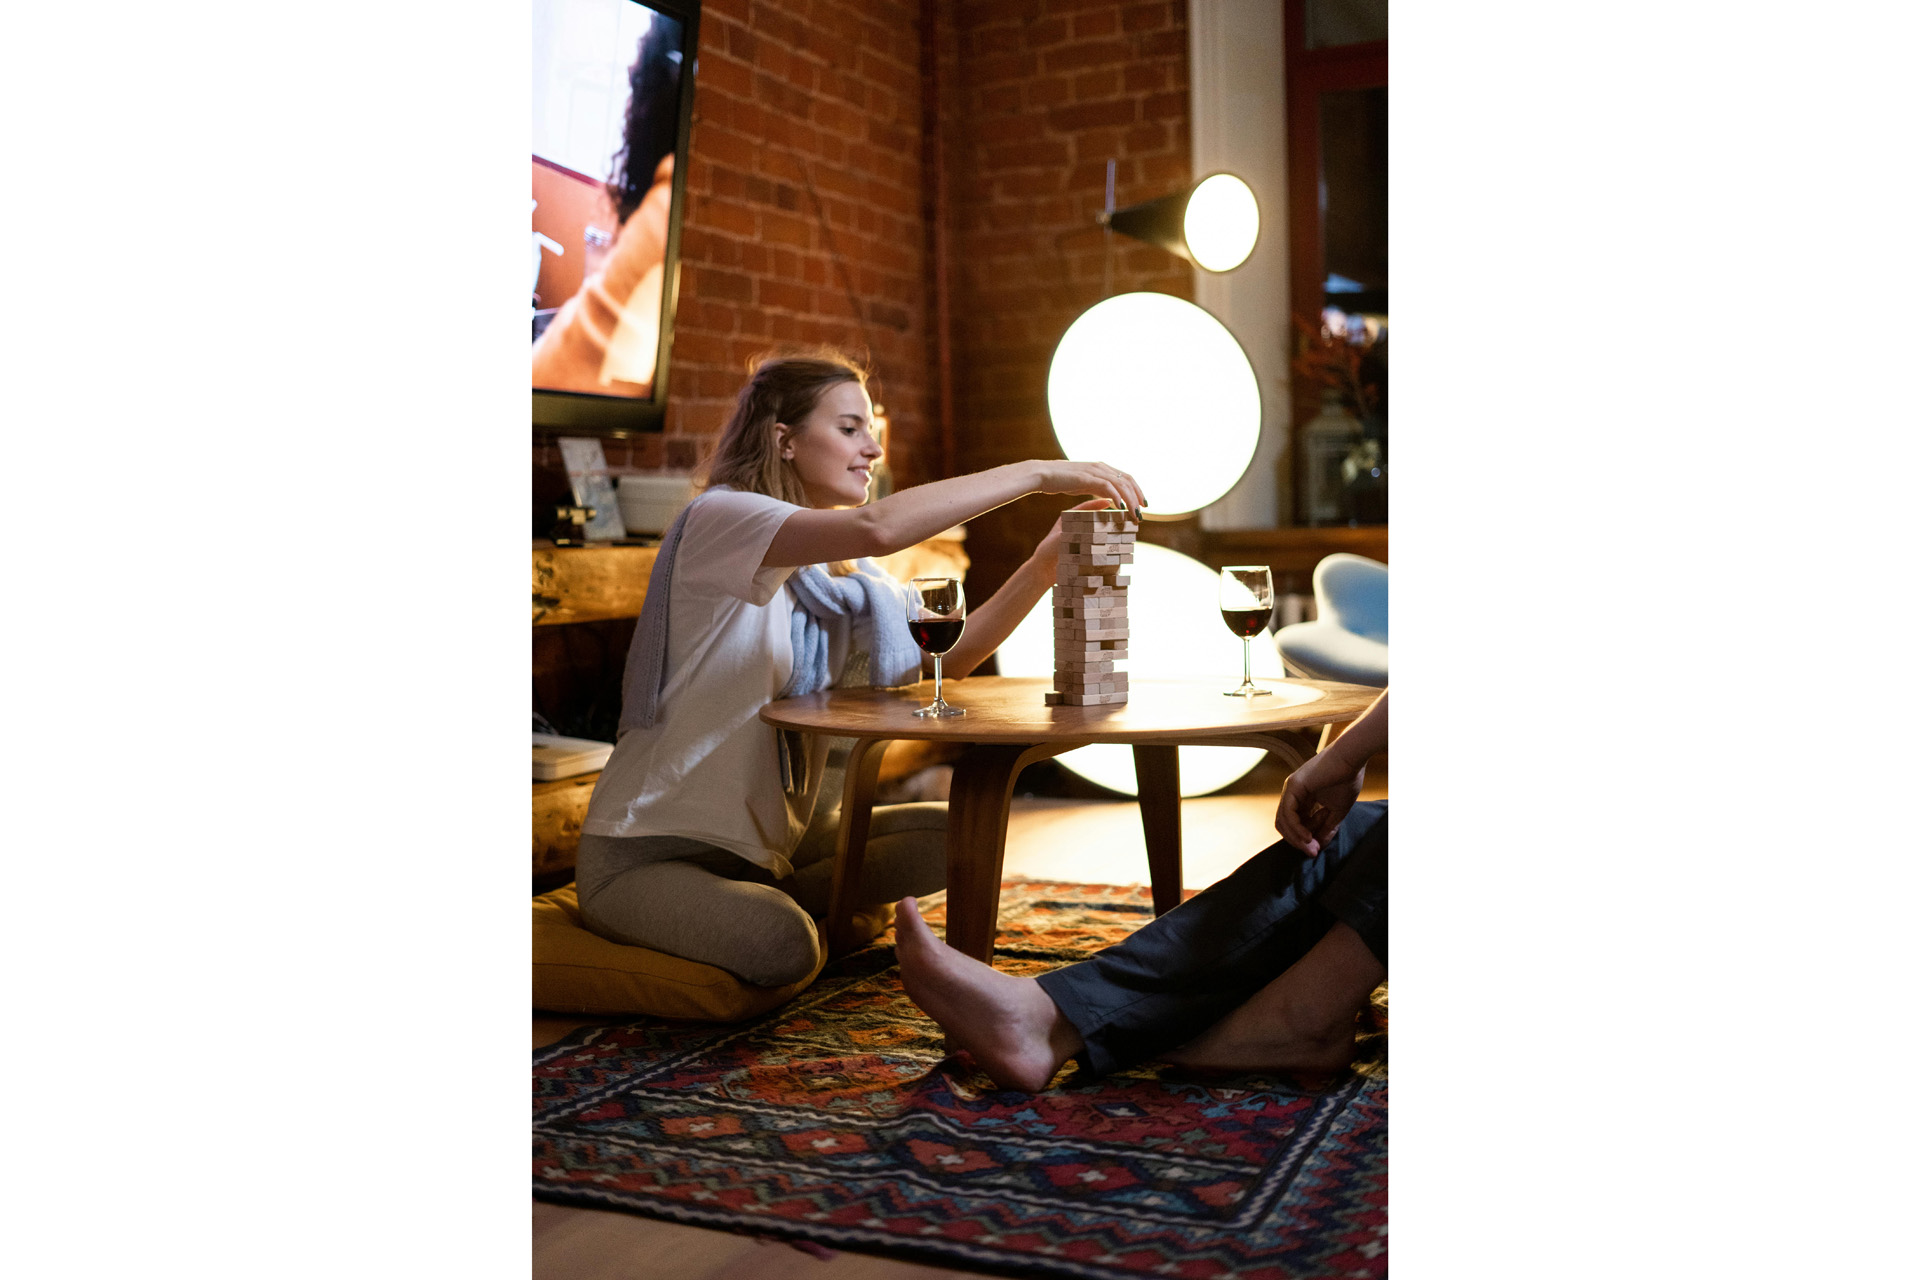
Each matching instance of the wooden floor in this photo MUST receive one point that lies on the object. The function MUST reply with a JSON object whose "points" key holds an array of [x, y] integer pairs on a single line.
{"points": [[1079, 840]]}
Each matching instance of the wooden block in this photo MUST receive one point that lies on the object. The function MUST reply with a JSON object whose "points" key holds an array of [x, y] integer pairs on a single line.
{"points": [[1091, 699], [1077, 634], [1052, 699], [1111, 679], [1068, 682], [1115, 520], [1082, 664]]}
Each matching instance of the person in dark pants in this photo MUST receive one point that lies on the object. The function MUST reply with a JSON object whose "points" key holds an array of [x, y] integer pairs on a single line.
{"points": [[1265, 970]]}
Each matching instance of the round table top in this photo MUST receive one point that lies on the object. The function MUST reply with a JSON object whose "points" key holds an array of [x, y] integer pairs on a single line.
{"points": [[1012, 709]]}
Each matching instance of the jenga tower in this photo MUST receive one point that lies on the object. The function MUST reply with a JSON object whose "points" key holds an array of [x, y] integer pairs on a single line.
{"points": [[1090, 608]]}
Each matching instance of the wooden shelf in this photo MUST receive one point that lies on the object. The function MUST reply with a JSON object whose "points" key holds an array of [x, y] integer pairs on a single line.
{"points": [[589, 584]]}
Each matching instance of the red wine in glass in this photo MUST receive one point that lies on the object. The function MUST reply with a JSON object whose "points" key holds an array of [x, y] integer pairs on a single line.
{"points": [[1244, 623], [936, 635], [937, 616], [1246, 603]]}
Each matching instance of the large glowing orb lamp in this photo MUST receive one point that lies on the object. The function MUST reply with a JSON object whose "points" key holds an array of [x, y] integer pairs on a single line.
{"points": [[1157, 387], [1213, 224], [1173, 616]]}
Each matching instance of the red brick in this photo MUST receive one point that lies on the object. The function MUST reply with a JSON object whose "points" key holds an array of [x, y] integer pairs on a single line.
{"points": [[709, 282], [1021, 128], [721, 75], [1166, 106], [891, 136], [722, 146], [1005, 97], [1047, 153], [723, 215], [1027, 183], [1092, 86], [1147, 137], [1146, 17], [1171, 170], [1003, 67], [1097, 144], [984, 11], [1003, 38], [1095, 53], [1145, 77], [1050, 92], [780, 228], [1099, 22], [1093, 115], [1046, 34], [782, 97], [791, 297], [1164, 44]]}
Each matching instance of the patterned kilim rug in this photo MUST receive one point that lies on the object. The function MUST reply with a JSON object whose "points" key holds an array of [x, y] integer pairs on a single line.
{"points": [[838, 1119]]}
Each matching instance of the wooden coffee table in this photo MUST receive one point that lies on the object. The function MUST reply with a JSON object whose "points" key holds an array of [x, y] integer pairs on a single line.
{"points": [[1010, 727]]}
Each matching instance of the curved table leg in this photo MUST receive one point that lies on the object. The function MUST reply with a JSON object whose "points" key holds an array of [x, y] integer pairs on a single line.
{"points": [[1157, 771], [977, 840], [850, 845]]}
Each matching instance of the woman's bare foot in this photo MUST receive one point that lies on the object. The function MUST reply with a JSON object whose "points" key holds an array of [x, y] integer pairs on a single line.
{"points": [[1014, 1032]]}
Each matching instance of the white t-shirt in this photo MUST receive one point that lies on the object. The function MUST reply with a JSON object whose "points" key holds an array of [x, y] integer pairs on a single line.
{"points": [[709, 768]]}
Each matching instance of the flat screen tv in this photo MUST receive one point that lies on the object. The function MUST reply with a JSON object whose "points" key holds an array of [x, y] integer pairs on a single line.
{"points": [[612, 108]]}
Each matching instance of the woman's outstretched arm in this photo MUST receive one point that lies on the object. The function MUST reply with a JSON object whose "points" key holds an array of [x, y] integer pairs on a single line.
{"points": [[814, 535]]}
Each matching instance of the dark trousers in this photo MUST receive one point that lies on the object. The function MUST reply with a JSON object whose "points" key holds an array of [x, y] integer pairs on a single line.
{"points": [[1180, 974]]}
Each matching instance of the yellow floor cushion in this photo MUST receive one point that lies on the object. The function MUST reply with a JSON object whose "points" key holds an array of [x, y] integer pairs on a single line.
{"points": [[577, 971]]}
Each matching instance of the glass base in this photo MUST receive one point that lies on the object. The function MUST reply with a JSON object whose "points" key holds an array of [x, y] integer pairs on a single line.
{"points": [[1248, 690], [941, 709]]}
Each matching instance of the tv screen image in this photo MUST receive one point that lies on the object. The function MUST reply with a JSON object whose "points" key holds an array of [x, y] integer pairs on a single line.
{"points": [[611, 83]]}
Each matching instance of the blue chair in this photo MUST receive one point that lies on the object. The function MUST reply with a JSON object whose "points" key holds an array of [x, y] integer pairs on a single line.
{"points": [[1348, 641]]}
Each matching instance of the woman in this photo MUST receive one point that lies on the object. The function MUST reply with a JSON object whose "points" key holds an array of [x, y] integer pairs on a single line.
{"points": [[709, 837]]}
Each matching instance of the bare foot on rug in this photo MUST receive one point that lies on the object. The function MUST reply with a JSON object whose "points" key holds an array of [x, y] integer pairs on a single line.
{"points": [[1014, 1032], [1301, 1021]]}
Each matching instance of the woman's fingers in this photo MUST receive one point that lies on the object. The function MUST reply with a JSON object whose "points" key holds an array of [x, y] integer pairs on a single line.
{"points": [[1115, 485]]}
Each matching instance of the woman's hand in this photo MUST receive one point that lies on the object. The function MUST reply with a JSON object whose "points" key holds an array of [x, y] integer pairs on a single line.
{"points": [[1095, 478], [1316, 798]]}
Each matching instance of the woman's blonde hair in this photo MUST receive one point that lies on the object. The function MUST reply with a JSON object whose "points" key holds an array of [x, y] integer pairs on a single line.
{"points": [[782, 387]]}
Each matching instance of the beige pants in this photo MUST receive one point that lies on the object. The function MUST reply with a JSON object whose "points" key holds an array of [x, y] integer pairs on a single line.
{"points": [[690, 899]]}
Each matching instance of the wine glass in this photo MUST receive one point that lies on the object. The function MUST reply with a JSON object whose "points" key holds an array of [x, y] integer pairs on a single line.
{"points": [[936, 618], [1246, 604]]}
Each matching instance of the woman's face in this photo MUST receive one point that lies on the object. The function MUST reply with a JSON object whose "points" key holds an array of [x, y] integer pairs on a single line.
{"points": [[832, 449]]}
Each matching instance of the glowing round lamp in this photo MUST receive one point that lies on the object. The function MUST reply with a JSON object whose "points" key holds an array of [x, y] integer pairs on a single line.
{"points": [[1173, 620], [1213, 224], [1157, 387], [1222, 222]]}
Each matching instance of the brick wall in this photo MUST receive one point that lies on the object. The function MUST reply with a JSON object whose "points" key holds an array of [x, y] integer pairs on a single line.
{"points": [[805, 218], [1045, 93]]}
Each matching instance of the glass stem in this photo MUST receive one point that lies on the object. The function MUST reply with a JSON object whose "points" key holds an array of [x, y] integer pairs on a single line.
{"points": [[936, 680], [1246, 662]]}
